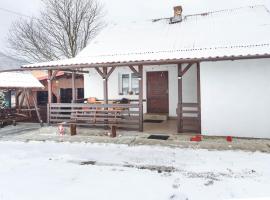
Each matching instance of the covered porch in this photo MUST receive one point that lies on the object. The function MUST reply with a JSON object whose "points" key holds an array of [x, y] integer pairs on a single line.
{"points": [[130, 113]]}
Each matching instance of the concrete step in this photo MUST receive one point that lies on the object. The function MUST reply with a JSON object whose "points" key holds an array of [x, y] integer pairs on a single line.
{"points": [[155, 116]]}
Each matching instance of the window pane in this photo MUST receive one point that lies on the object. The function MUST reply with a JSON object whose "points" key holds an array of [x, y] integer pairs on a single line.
{"points": [[135, 83], [125, 83]]}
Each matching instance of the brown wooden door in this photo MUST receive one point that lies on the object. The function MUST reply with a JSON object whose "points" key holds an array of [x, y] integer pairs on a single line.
{"points": [[157, 92]]}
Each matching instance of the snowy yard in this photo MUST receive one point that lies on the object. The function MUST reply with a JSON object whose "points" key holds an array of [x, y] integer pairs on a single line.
{"points": [[48, 170]]}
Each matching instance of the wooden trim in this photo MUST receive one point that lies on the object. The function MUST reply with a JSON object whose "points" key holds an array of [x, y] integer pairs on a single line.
{"points": [[155, 62], [140, 67], [179, 105]]}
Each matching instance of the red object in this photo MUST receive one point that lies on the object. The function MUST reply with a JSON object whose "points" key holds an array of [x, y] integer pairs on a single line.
{"points": [[196, 138], [229, 138]]}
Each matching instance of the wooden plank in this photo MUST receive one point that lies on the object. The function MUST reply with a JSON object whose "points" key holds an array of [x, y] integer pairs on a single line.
{"points": [[190, 104], [81, 105]]}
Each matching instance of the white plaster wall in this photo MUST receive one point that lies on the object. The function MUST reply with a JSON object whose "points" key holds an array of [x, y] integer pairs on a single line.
{"points": [[94, 85], [235, 98]]}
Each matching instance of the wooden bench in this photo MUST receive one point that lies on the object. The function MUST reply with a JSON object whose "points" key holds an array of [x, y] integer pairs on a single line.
{"points": [[90, 117]]}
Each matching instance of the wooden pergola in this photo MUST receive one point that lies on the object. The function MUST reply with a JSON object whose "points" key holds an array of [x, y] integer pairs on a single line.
{"points": [[22, 84]]}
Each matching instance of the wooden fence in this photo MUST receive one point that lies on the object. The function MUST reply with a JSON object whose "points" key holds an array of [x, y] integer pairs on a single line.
{"points": [[191, 119], [94, 115]]}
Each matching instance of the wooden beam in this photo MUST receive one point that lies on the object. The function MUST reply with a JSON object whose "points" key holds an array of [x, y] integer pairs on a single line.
{"points": [[99, 71], [28, 102], [53, 75], [105, 85], [18, 94], [36, 107], [179, 104], [140, 98], [49, 95], [199, 94], [186, 69], [73, 83], [133, 70], [110, 72]]}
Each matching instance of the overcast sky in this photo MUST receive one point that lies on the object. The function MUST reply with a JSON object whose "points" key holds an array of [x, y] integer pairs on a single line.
{"points": [[122, 10]]}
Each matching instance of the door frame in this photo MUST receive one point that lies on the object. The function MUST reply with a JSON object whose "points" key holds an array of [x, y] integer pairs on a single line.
{"points": [[147, 94]]}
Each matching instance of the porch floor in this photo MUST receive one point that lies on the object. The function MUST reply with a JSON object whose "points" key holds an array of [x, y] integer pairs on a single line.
{"points": [[165, 127], [25, 132]]}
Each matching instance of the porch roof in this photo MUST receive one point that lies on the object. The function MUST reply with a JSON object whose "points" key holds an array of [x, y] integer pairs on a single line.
{"points": [[15, 80], [220, 35]]}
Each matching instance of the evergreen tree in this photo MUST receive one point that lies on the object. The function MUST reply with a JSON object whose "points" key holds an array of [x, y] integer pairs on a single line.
{"points": [[2, 100]]}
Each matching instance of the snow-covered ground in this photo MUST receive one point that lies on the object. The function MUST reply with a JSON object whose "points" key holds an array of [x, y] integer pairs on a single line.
{"points": [[48, 170]]}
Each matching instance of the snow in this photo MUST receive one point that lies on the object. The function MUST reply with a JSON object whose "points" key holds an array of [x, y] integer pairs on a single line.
{"points": [[18, 80], [48, 170], [231, 32]]}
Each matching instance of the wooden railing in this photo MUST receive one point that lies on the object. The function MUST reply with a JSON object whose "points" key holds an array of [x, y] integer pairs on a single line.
{"points": [[191, 117], [120, 115]]}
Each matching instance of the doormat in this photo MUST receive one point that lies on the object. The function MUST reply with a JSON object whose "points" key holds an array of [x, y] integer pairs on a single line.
{"points": [[152, 121], [158, 137]]}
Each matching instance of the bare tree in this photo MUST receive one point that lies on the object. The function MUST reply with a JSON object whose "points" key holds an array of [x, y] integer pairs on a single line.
{"points": [[62, 30]]}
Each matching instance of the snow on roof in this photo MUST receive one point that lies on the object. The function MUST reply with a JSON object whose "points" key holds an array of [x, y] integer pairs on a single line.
{"points": [[233, 32], [18, 80]]}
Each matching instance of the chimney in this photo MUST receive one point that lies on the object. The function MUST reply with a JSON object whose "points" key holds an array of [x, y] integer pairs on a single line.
{"points": [[177, 17], [177, 11]]}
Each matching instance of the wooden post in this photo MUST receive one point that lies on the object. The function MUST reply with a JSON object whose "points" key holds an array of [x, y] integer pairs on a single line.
{"points": [[49, 95], [179, 104], [36, 108], [73, 87], [140, 98], [199, 95], [105, 85]]}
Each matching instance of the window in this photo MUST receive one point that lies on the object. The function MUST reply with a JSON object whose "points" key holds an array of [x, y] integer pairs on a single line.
{"points": [[125, 84], [42, 98], [135, 84], [128, 84]]}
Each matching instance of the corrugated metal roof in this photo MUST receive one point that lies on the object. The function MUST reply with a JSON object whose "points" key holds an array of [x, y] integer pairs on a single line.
{"points": [[18, 80], [233, 32]]}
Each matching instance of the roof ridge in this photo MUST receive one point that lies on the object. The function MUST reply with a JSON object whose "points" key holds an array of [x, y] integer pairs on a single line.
{"points": [[227, 10]]}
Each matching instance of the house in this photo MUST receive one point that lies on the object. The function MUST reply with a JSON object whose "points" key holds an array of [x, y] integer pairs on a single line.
{"points": [[208, 71]]}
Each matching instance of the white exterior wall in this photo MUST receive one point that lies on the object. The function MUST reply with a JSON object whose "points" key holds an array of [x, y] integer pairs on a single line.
{"points": [[94, 85], [235, 98]]}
